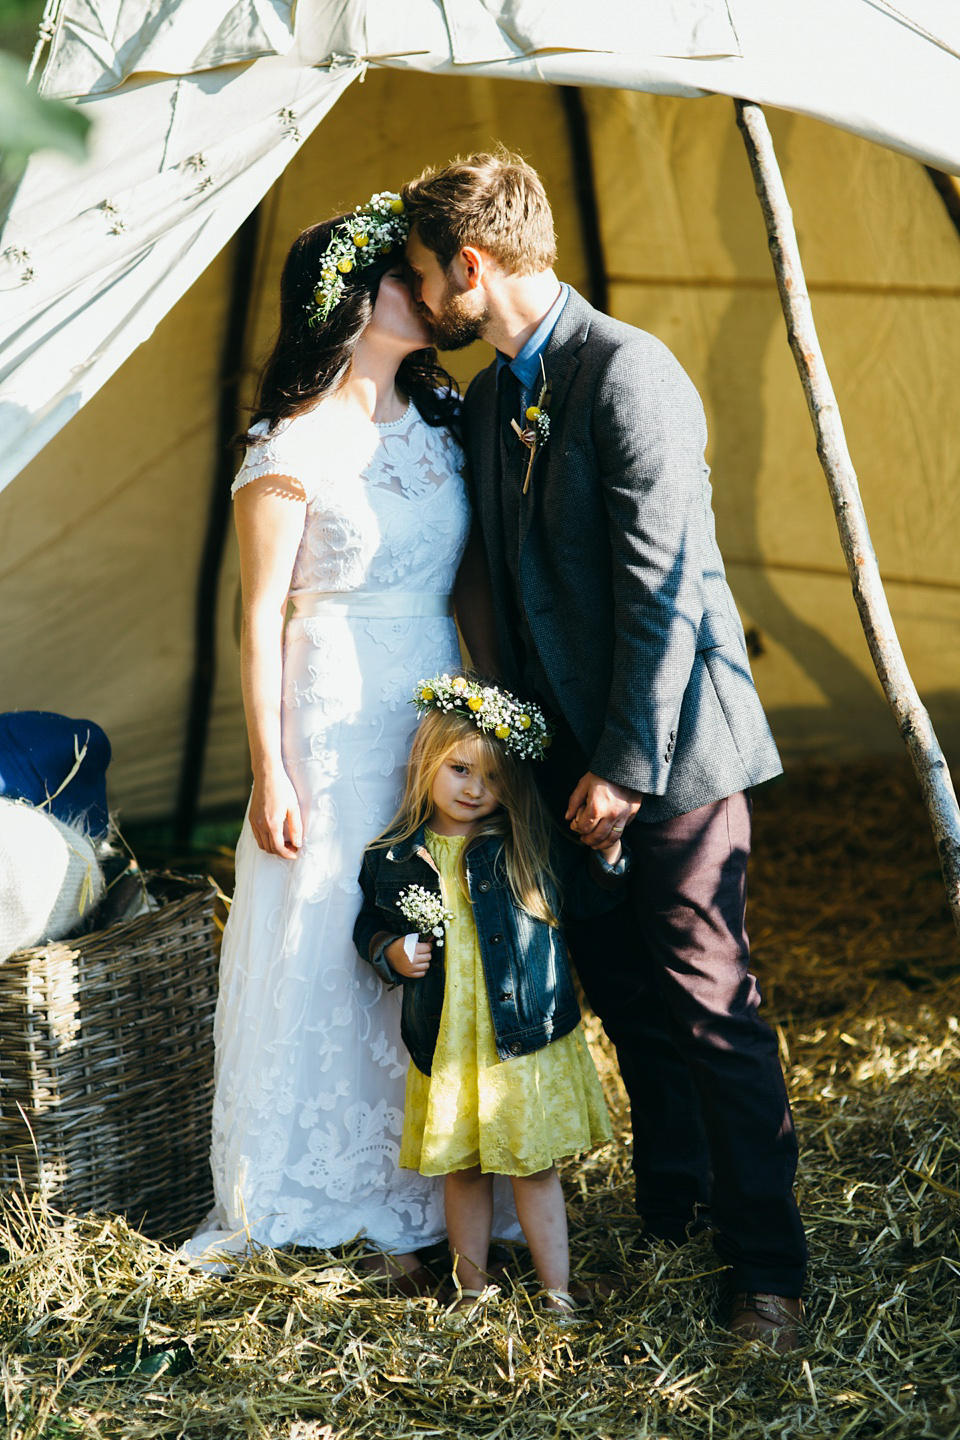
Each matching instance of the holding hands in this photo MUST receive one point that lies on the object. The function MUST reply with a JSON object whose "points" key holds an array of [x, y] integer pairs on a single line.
{"points": [[599, 811]]}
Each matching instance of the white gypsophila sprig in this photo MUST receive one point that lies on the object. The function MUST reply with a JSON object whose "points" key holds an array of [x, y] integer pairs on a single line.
{"points": [[522, 728], [375, 229], [424, 910]]}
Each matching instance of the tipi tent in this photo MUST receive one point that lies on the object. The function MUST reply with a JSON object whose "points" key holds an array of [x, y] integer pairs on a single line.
{"points": [[129, 304]]}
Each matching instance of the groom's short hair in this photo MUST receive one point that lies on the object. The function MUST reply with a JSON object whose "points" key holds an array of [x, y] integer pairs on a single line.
{"points": [[493, 201]]}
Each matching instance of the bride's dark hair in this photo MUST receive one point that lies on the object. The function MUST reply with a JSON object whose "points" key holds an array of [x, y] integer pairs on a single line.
{"points": [[308, 361]]}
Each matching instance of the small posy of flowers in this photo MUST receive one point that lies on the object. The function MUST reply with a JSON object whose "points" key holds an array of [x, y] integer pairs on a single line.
{"points": [[522, 728], [424, 911], [372, 232], [536, 430]]}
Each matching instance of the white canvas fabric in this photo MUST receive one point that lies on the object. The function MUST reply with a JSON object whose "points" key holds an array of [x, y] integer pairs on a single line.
{"points": [[92, 258], [97, 44], [484, 32]]}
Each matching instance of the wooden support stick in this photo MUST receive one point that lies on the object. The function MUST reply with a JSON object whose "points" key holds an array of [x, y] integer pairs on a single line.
{"points": [[914, 722]]}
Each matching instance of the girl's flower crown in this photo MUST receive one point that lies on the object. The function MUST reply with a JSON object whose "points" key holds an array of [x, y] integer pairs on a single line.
{"points": [[374, 229], [522, 728]]}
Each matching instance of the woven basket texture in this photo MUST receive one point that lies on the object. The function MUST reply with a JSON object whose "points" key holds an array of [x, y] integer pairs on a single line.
{"points": [[106, 1064]]}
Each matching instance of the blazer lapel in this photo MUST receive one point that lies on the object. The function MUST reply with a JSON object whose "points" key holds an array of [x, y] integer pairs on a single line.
{"points": [[560, 363]]}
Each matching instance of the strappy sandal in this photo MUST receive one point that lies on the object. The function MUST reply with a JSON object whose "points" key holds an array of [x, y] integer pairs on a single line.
{"points": [[564, 1310], [472, 1304]]}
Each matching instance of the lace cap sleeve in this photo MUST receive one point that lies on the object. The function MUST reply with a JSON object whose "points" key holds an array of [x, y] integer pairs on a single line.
{"points": [[272, 453]]}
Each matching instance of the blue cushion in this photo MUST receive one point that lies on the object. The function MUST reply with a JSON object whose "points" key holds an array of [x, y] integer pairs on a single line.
{"points": [[37, 754]]}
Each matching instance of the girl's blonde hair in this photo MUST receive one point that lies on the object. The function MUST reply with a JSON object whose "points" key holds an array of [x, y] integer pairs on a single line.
{"points": [[521, 820]]}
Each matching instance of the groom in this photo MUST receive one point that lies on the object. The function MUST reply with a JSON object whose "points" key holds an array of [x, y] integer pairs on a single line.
{"points": [[607, 603]]}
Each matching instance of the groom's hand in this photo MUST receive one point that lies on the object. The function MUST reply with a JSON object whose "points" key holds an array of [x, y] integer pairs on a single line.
{"points": [[599, 811]]}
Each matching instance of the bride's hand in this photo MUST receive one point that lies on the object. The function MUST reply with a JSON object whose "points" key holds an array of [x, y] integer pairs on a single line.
{"points": [[275, 816]]}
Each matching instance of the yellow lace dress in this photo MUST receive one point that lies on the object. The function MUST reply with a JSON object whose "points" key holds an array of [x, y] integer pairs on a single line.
{"points": [[512, 1117]]}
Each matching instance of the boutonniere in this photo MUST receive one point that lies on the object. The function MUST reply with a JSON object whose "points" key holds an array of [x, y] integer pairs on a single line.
{"points": [[536, 431]]}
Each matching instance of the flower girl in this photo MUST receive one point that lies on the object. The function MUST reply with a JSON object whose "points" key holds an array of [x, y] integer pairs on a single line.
{"points": [[462, 900]]}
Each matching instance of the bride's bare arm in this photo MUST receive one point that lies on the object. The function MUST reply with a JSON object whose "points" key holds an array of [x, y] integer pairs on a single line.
{"points": [[269, 515]]}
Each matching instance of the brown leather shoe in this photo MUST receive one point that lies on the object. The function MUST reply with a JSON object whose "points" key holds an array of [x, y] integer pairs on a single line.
{"points": [[774, 1319]]}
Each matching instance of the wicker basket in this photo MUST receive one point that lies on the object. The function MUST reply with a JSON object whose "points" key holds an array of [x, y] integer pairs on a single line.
{"points": [[106, 1064]]}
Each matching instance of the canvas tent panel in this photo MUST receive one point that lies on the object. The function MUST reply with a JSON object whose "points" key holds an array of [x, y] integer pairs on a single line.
{"points": [[84, 288], [524, 27], [97, 44], [823, 701], [687, 255], [100, 547], [178, 212], [860, 66], [676, 173]]}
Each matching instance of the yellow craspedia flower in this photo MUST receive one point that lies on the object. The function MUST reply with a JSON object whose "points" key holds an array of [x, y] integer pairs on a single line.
{"points": [[426, 693], [328, 273], [318, 295], [458, 683], [361, 239], [533, 413], [502, 731], [397, 206], [524, 722], [475, 702], [547, 741], [345, 265]]}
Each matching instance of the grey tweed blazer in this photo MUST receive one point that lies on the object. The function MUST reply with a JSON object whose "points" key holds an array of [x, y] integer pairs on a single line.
{"points": [[621, 580]]}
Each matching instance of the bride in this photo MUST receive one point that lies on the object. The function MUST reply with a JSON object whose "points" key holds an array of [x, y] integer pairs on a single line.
{"points": [[352, 518]]}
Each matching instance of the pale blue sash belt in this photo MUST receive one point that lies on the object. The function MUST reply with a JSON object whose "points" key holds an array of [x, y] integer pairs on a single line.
{"points": [[386, 604]]}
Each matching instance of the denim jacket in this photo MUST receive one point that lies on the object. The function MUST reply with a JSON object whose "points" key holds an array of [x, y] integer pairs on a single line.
{"points": [[532, 999]]}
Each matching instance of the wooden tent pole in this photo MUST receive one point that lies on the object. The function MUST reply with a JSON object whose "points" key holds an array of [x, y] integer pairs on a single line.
{"points": [[914, 722]]}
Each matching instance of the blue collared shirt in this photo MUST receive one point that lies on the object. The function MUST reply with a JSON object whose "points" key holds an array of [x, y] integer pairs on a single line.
{"points": [[526, 364]]}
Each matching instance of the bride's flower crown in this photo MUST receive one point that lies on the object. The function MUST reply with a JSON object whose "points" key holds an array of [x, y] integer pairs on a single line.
{"points": [[522, 728], [373, 231]]}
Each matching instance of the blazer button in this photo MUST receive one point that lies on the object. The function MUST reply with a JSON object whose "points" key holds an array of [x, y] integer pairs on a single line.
{"points": [[484, 886], [495, 939], [515, 1049], [506, 994]]}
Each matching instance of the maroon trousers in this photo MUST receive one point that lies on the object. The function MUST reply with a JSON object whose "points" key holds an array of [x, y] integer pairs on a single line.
{"points": [[667, 973]]}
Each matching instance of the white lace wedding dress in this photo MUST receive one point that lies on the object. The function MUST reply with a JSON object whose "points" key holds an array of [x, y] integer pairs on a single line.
{"points": [[310, 1067]]}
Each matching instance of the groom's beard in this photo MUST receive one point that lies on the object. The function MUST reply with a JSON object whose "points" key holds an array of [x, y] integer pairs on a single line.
{"points": [[454, 326]]}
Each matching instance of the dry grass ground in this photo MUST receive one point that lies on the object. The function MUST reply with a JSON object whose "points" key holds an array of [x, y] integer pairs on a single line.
{"points": [[860, 967]]}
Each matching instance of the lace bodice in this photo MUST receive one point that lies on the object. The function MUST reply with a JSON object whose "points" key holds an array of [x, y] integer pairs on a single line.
{"points": [[386, 504]]}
